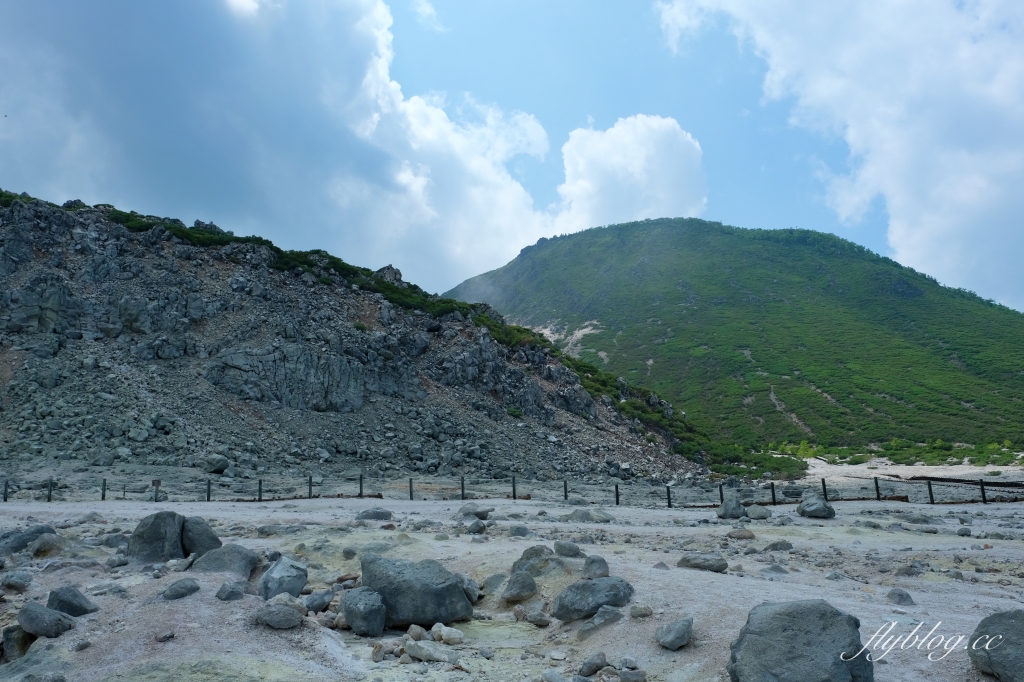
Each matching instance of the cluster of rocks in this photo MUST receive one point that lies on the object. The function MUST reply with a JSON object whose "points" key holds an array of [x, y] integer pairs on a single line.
{"points": [[124, 351]]}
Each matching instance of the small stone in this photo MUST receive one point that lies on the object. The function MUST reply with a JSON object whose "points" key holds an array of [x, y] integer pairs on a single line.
{"points": [[231, 591], [675, 635], [36, 619], [279, 617], [595, 567], [70, 601], [758, 513], [180, 589], [82, 646], [487, 652], [661, 566], [521, 586], [740, 534], [593, 664], [417, 632], [632, 676], [442, 536], [374, 514], [538, 618], [779, 546], [294, 603], [364, 612], [477, 527], [165, 636], [731, 508], [567, 549], [705, 562], [18, 581], [900, 596], [428, 651], [640, 611], [605, 615]]}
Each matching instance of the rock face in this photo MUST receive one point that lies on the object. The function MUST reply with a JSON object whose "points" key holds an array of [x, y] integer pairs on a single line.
{"points": [[583, 599], [816, 508], [521, 586], [1004, 658], [70, 601], [731, 508], [675, 635], [423, 593], [230, 558], [704, 561], [284, 575], [800, 640], [36, 619], [15, 541], [364, 612]]}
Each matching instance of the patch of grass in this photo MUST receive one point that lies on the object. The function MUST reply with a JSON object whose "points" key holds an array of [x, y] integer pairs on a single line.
{"points": [[360, 326], [514, 412]]}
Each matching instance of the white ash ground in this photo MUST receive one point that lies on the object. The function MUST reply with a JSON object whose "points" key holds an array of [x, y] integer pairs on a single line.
{"points": [[218, 641]]}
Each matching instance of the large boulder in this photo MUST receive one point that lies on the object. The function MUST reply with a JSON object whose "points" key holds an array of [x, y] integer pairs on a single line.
{"points": [[799, 640], [364, 612], [70, 601], [521, 586], [284, 575], [158, 537], [474, 509], [15, 541], [595, 567], [423, 593], [710, 561], [997, 646], [759, 513], [731, 508], [374, 514], [180, 589], [197, 537], [279, 617], [816, 508], [537, 561], [230, 558], [36, 619], [583, 599]]}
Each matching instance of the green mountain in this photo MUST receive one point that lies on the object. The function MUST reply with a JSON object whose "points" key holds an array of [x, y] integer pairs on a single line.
{"points": [[766, 336]]}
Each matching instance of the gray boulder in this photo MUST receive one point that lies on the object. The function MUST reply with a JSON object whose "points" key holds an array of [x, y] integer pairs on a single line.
{"points": [[374, 514], [279, 617], [779, 546], [232, 591], [36, 619], [319, 601], [759, 513], [364, 611], [593, 664], [1004, 658], [537, 561], [197, 537], [731, 508], [18, 581], [423, 593], [180, 589], [284, 575], [605, 615], [521, 586], [478, 527], [15, 541], [799, 640], [595, 567], [157, 537], [675, 635], [430, 651], [588, 516], [470, 587], [583, 599], [711, 561], [474, 509], [216, 464], [567, 549], [70, 601], [16, 642], [898, 595], [816, 508], [230, 558]]}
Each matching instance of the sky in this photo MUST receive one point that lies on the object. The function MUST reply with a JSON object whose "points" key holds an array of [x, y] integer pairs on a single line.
{"points": [[442, 137]]}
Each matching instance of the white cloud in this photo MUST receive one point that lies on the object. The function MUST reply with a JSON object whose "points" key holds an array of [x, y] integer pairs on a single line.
{"points": [[427, 15], [642, 167], [929, 98]]}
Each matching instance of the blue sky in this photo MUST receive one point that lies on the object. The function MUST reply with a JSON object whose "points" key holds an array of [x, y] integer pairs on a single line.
{"points": [[443, 137]]}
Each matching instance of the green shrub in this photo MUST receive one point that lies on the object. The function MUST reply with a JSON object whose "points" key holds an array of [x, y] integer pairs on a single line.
{"points": [[514, 412], [360, 326]]}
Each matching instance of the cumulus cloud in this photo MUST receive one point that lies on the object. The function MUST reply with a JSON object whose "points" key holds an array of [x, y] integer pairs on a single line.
{"points": [[643, 166], [928, 97], [427, 15]]}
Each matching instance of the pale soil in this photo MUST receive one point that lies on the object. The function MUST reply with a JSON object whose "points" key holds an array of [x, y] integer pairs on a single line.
{"points": [[221, 641]]}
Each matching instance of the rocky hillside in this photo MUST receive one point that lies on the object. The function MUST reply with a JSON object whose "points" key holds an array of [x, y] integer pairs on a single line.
{"points": [[129, 342]]}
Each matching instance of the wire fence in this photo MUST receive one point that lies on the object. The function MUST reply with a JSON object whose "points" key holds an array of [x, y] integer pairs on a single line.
{"points": [[923, 489]]}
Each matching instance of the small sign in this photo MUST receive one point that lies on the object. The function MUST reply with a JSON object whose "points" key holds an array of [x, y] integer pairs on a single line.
{"points": [[156, 483]]}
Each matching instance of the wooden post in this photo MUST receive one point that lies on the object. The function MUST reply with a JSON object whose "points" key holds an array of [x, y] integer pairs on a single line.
{"points": [[103, 490], [462, 483], [931, 497], [5, 489], [49, 490], [878, 491], [259, 491], [668, 495], [514, 497], [773, 494], [309, 481], [824, 490], [981, 482], [721, 492], [208, 488], [410, 489], [156, 490], [565, 489], [360, 485], [616, 494]]}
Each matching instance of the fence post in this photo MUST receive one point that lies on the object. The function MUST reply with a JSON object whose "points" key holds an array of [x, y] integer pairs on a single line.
{"points": [[668, 495], [514, 498], [878, 491], [103, 491], [208, 488], [462, 483], [259, 491], [309, 481], [5, 489], [360, 485], [124, 491], [410, 489], [156, 490], [824, 490], [49, 490], [721, 492], [565, 489], [773, 494], [981, 482], [931, 497], [616, 494]]}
